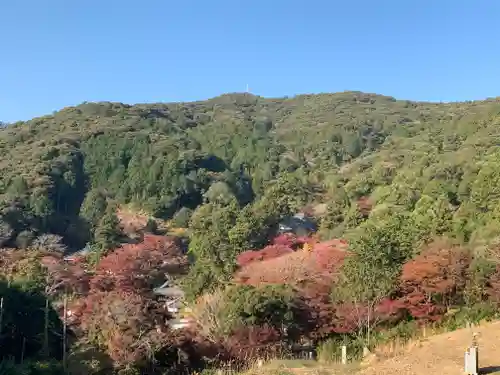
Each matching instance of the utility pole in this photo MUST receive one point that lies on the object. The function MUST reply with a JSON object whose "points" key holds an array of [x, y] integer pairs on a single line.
{"points": [[65, 327]]}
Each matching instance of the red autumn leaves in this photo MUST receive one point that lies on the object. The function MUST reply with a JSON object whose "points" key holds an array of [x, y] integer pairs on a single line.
{"points": [[428, 285], [119, 311]]}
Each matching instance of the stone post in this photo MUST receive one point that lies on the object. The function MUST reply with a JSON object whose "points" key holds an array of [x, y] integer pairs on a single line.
{"points": [[344, 354], [471, 361], [472, 358]]}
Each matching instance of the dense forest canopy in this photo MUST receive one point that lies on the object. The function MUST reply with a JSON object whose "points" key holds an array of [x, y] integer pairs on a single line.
{"points": [[60, 172], [405, 196]]}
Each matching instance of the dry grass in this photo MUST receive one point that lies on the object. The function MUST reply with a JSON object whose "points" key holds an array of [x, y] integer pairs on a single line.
{"points": [[397, 347], [441, 354], [206, 313], [429, 353], [179, 232], [134, 220], [301, 367], [401, 346]]}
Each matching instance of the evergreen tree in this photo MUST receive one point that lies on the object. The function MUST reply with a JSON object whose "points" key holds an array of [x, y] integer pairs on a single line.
{"points": [[108, 233]]}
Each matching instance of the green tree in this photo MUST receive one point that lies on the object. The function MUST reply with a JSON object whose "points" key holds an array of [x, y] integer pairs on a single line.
{"points": [[485, 191], [272, 305], [379, 249], [94, 207], [108, 232], [433, 217], [210, 246], [219, 192], [182, 217]]}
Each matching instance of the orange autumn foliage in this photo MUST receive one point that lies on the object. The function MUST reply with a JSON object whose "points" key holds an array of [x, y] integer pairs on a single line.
{"points": [[134, 267], [434, 280], [296, 267]]}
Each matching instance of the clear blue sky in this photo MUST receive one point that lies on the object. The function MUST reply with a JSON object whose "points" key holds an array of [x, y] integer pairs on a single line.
{"points": [[56, 53]]}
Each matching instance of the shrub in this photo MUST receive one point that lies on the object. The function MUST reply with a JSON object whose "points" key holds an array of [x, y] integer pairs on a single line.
{"points": [[473, 314], [24, 239], [270, 305], [184, 352], [330, 350], [493, 289], [208, 316], [249, 343], [49, 242], [182, 217], [151, 226]]}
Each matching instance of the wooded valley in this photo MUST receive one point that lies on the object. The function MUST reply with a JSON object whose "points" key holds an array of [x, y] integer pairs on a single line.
{"points": [[404, 197]]}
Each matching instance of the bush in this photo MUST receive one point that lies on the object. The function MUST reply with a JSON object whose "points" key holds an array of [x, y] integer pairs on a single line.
{"points": [[151, 226], [474, 314], [249, 343], [270, 305], [49, 242], [330, 349], [24, 239], [207, 313], [31, 368], [182, 217]]}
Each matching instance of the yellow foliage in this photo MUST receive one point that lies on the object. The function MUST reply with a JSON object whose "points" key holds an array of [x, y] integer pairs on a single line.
{"points": [[307, 247]]}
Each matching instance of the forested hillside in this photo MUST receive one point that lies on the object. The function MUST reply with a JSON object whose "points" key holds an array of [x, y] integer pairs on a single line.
{"points": [[413, 189], [58, 170]]}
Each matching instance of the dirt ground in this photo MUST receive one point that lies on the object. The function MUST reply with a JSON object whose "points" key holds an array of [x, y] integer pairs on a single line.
{"points": [[444, 354], [441, 355]]}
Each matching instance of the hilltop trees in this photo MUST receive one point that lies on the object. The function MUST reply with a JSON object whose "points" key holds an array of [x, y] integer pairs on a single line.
{"points": [[66, 167]]}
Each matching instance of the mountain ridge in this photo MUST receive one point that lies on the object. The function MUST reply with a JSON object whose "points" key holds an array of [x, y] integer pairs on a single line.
{"points": [[284, 97], [166, 156]]}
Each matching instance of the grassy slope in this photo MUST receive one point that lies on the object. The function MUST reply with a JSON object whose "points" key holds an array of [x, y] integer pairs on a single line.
{"points": [[444, 354], [301, 367], [441, 354]]}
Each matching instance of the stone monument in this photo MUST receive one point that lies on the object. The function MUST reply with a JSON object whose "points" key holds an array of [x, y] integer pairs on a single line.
{"points": [[472, 358]]}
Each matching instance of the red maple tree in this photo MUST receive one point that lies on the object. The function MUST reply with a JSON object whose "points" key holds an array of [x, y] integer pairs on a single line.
{"points": [[120, 313], [434, 280], [134, 267]]}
